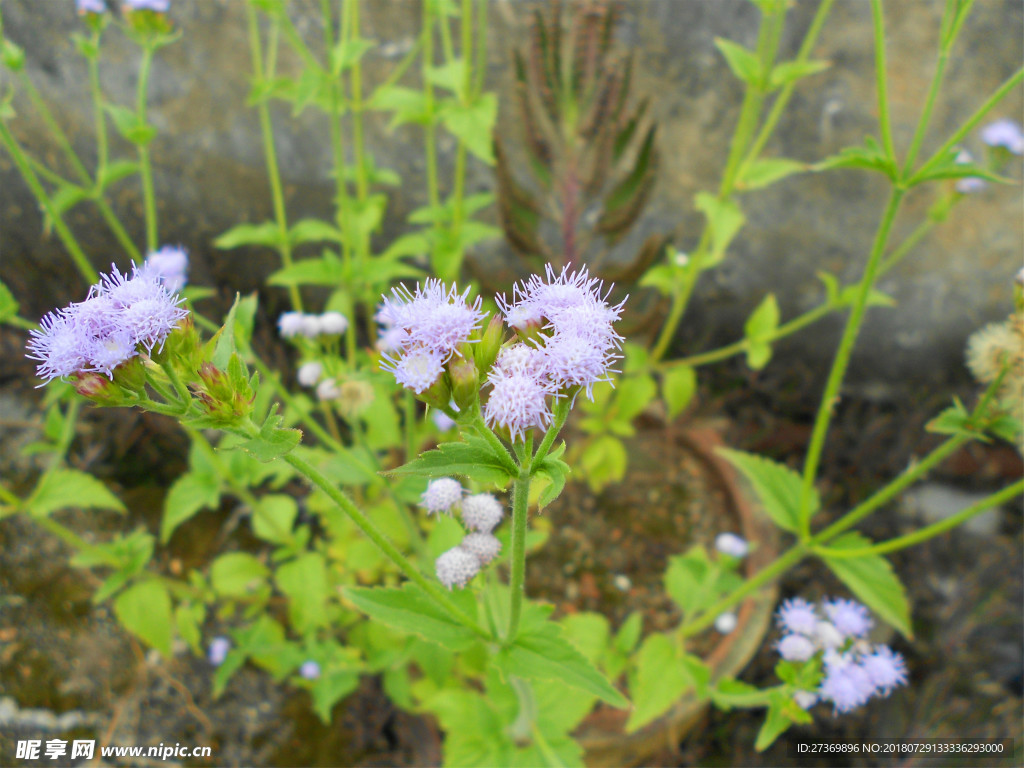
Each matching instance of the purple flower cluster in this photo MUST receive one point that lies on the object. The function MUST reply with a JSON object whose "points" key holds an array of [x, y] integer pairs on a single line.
{"points": [[120, 316], [576, 352], [855, 670], [1004, 133]]}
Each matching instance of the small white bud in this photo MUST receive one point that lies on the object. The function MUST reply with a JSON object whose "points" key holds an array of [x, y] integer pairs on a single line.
{"points": [[827, 635], [796, 648], [482, 512], [805, 699], [328, 390], [726, 623], [310, 326], [456, 567], [290, 324], [333, 323], [483, 546], [309, 373], [732, 545], [442, 495]]}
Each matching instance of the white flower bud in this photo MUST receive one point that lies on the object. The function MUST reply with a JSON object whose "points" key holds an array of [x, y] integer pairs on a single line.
{"points": [[805, 699], [309, 373], [456, 567], [333, 323], [726, 623], [481, 512], [732, 545], [483, 546], [827, 635], [442, 495], [328, 390]]}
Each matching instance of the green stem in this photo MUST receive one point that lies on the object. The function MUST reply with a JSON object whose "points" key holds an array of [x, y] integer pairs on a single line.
{"points": [[842, 359], [968, 126], [770, 572], [68, 239], [520, 501], [480, 67], [145, 169], [409, 403], [881, 74], [496, 445], [915, 237], [929, 531], [382, 542], [782, 100], [929, 103], [561, 412], [270, 153]]}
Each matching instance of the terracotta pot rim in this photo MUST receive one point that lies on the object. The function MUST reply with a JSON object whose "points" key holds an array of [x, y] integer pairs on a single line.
{"points": [[601, 734]]}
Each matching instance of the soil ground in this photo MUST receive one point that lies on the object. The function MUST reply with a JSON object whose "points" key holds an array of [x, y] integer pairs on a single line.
{"points": [[65, 664]]}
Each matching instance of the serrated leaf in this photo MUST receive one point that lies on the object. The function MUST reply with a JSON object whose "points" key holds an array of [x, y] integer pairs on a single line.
{"points": [[725, 219], [955, 420], [777, 486], [64, 488], [304, 582], [450, 76], [313, 231], [589, 632], [189, 618], [604, 461], [473, 124], [775, 724], [267, 233], [678, 386], [870, 156], [410, 610], [273, 518], [693, 581], [743, 63], [327, 270], [276, 443], [659, 681], [556, 471], [871, 579], [767, 170], [144, 609], [189, 494], [237, 574], [474, 458], [541, 653], [790, 71]]}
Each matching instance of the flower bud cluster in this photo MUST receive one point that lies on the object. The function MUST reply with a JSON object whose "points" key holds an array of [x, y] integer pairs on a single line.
{"points": [[121, 318], [855, 670], [169, 265], [291, 324], [481, 514]]}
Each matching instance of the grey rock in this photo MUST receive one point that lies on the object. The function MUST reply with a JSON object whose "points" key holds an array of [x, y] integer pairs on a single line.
{"points": [[210, 175], [934, 502]]}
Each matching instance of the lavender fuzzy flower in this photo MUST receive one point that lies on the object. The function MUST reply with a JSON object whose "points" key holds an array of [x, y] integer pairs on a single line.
{"points": [[417, 369], [484, 546], [849, 617], [798, 616], [90, 6], [732, 545], [309, 670], [157, 6], [885, 668], [847, 685], [481, 512], [435, 317], [333, 323], [218, 650], [121, 316], [1004, 133], [169, 265], [796, 648], [518, 402], [309, 373]]}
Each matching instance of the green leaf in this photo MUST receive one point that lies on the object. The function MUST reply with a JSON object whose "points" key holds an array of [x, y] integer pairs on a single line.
{"points": [[474, 458], [327, 270], [629, 633], [224, 340], [410, 610], [304, 582], [473, 123], [130, 126], [955, 420], [541, 653], [409, 105], [115, 171], [724, 218], [743, 63], [330, 688], [693, 581], [556, 471], [144, 609], [273, 518], [589, 632], [313, 231], [777, 486], [450, 76], [729, 693], [345, 53], [190, 493], [189, 618], [273, 442], [237, 574], [678, 386], [767, 170], [759, 330], [872, 580], [870, 156], [64, 488], [604, 461], [659, 681], [267, 233], [775, 724], [790, 71], [8, 304]]}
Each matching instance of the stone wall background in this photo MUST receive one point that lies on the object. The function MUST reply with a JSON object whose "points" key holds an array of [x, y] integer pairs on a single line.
{"points": [[209, 171]]}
